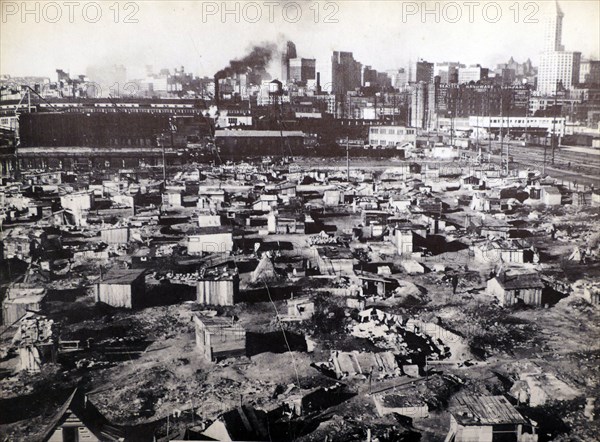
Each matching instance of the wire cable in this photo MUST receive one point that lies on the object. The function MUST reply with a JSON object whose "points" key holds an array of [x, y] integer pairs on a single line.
{"points": [[284, 335]]}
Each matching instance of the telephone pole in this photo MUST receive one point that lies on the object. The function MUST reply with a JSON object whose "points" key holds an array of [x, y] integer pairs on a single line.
{"points": [[553, 130], [164, 165], [347, 159]]}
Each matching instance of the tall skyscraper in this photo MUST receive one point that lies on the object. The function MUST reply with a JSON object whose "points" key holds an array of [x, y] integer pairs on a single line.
{"points": [[369, 76], [346, 73], [286, 56], [424, 72], [559, 69], [420, 114], [398, 78], [553, 31]]}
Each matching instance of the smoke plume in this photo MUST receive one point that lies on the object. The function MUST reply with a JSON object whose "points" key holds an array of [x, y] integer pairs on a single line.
{"points": [[254, 63]]}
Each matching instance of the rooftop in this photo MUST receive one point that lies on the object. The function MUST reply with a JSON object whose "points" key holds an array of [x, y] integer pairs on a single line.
{"points": [[551, 190], [335, 252], [219, 274], [520, 281], [217, 322], [396, 400], [258, 133], [122, 276], [486, 410]]}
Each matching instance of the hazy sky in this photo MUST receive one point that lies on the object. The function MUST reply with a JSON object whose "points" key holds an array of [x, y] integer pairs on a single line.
{"points": [[195, 34]]}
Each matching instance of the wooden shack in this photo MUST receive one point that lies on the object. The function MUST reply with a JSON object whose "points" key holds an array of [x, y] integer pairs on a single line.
{"points": [[79, 420], [219, 287], [122, 288], [117, 235], [212, 240], [299, 309], [21, 298], [489, 418], [511, 289], [218, 338], [36, 342]]}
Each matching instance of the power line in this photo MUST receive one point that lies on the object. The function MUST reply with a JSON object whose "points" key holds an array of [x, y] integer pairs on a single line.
{"points": [[284, 335]]}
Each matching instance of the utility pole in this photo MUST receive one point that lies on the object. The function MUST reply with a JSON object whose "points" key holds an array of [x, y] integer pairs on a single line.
{"points": [[553, 130], [477, 146], [501, 127], [544, 166], [451, 129], [17, 138], [164, 166], [489, 124], [527, 115], [504, 154], [508, 131], [347, 159]]}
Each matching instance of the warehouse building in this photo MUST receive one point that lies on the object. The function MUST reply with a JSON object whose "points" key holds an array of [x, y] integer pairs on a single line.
{"points": [[83, 141], [259, 142], [392, 136]]}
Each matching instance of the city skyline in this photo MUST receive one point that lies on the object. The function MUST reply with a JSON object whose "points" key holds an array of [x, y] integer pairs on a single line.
{"points": [[193, 35]]}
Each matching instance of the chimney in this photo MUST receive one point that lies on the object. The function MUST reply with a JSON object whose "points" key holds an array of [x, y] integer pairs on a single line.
{"points": [[217, 91]]}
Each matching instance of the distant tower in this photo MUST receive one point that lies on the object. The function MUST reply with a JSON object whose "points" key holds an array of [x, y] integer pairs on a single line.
{"points": [[553, 31], [557, 66], [286, 56], [346, 73]]}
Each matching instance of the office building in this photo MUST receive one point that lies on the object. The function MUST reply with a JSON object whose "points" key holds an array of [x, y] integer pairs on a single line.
{"points": [[472, 74], [589, 72], [398, 78], [424, 72], [346, 73], [286, 56], [301, 70], [559, 69], [447, 71]]}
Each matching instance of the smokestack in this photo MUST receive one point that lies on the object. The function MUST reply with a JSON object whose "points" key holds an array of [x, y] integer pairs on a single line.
{"points": [[217, 90]]}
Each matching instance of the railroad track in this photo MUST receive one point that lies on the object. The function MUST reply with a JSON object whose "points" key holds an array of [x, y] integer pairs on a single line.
{"points": [[567, 164]]}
